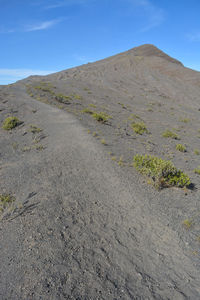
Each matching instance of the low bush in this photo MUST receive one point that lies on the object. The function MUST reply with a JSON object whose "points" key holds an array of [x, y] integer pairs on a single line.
{"points": [[87, 111], [103, 142], [196, 151], [186, 120], [76, 96], [101, 116], [139, 128], [197, 171], [187, 223], [162, 172], [62, 98], [170, 134], [35, 129], [5, 200], [180, 148], [10, 123]]}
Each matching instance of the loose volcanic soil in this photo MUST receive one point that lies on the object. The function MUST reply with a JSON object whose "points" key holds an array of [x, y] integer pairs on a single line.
{"points": [[84, 224]]}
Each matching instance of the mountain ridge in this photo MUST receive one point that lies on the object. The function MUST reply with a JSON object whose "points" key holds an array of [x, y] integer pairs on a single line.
{"points": [[147, 56]]}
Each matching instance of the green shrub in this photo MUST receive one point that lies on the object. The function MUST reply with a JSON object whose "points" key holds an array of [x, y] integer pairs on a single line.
{"points": [[5, 200], [39, 147], [139, 128], [76, 96], [92, 105], [196, 151], [162, 172], [188, 223], [44, 88], [87, 111], [186, 120], [133, 116], [10, 123], [197, 171], [180, 148], [122, 105], [120, 162], [62, 98], [101, 117], [35, 129], [103, 142], [170, 134]]}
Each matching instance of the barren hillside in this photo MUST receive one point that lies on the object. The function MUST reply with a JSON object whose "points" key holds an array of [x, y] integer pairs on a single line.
{"points": [[78, 221]]}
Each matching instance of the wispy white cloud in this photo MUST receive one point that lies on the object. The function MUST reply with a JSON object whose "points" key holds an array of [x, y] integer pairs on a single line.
{"points": [[193, 37], [21, 73], [8, 76], [5, 30], [154, 15], [55, 5], [81, 58], [37, 26], [42, 25], [63, 3]]}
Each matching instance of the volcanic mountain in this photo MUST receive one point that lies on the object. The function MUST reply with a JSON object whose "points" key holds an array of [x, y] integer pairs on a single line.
{"points": [[78, 221]]}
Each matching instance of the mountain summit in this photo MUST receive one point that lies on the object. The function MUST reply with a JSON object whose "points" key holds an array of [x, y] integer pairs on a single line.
{"points": [[151, 50]]}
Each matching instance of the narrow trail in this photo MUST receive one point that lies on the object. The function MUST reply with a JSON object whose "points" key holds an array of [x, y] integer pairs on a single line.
{"points": [[86, 231]]}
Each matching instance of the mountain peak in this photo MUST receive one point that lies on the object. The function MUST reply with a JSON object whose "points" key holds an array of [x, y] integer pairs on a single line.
{"points": [[151, 50]]}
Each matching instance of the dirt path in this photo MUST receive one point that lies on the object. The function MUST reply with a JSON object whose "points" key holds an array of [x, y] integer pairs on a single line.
{"points": [[85, 230]]}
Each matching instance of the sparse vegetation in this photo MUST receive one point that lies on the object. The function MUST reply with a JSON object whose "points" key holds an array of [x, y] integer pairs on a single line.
{"points": [[197, 171], [10, 123], [139, 128], [162, 172], [76, 96], [133, 116], [62, 98], [187, 223], [92, 105], [15, 146], [101, 116], [44, 87], [186, 120], [122, 105], [5, 200], [26, 149], [170, 134], [196, 151], [103, 142], [120, 162], [60, 106], [114, 158], [35, 129], [87, 111], [180, 148], [39, 147]]}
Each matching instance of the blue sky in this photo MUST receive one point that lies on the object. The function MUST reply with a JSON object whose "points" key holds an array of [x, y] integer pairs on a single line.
{"points": [[44, 36]]}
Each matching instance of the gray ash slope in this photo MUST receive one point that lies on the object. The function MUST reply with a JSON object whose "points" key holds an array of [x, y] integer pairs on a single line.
{"points": [[84, 224]]}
